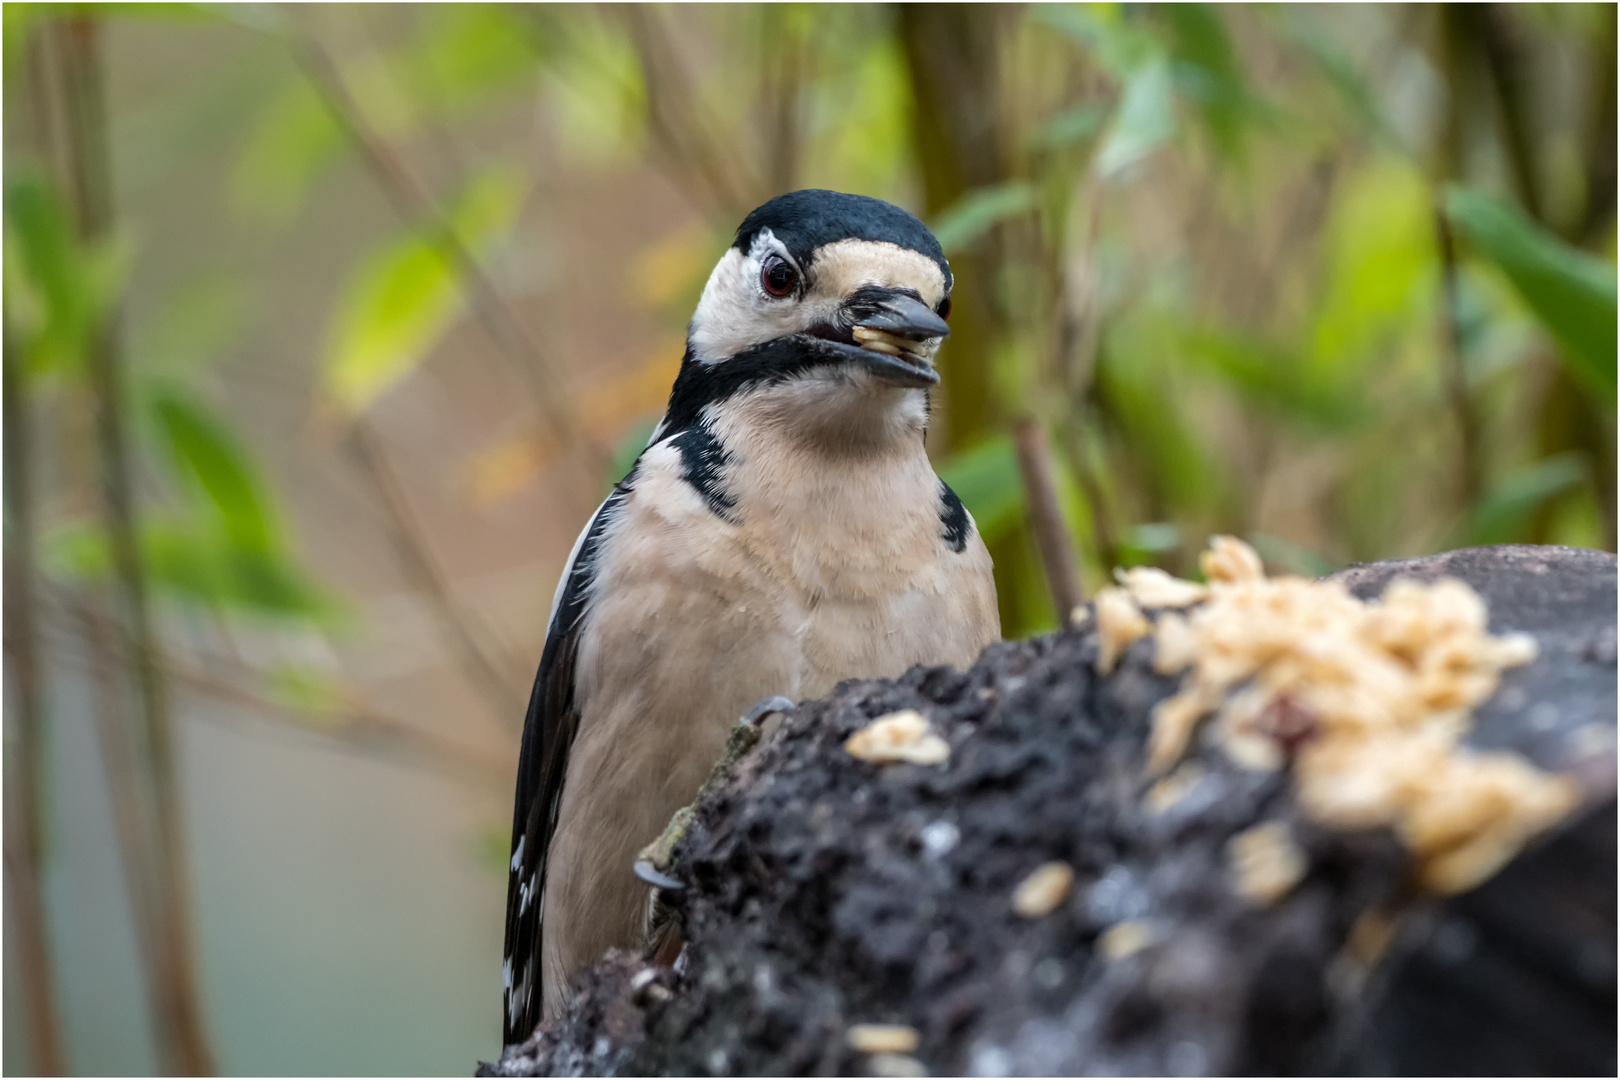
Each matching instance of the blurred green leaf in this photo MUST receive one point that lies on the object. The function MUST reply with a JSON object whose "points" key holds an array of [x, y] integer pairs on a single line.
{"points": [[986, 478], [1146, 118], [978, 210], [1501, 514], [56, 287], [1117, 44], [194, 564], [1071, 125], [1207, 70], [401, 301], [1382, 272], [210, 462], [467, 53], [1572, 293], [294, 139], [1278, 381]]}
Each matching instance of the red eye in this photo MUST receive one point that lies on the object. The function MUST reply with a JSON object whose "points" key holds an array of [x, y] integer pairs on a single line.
{"points": [[777, 276], [944, 309]]}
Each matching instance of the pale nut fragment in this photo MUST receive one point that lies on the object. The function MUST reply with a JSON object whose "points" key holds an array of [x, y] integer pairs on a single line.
{"points": [[882, 341], [901, 736], [1151, 587], [1265, 862], [896, 1065], [1125, 939], [1175, 787], [1174, 719], [882, 1038], [1043, 890], [1119, 624], [1175, 646], [1229, 560]]}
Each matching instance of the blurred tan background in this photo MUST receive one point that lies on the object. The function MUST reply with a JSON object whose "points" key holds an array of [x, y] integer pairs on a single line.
{"points": [[326, 327]]}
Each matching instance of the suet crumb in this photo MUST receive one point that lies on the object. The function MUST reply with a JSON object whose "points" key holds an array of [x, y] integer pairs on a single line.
{"points": [[896, 1065], [882, 1038], [1043, 890], [901, 736], [1151, 587], [1125, 939], [1172, 789], [1370, 702], [1119, 624], [1266, 863]]}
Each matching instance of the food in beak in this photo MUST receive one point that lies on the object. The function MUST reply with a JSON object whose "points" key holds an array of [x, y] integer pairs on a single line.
{"points": [[881, 341]]}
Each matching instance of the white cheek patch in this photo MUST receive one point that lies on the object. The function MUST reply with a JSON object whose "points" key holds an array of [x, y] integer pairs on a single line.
{"points": [[736, 314]]}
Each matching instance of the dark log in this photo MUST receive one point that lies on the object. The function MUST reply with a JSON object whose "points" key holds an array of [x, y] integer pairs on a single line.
{"points": [[824, 891]]}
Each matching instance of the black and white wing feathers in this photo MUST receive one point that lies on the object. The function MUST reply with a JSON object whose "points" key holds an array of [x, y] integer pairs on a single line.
{"points": [[548, 736]]}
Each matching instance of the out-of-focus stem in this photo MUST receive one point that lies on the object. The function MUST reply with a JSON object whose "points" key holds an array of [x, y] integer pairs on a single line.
{"points": [[484, 662], [1046, 517], [176, 999], [412, 203], [1470, 468], [25, 779]]}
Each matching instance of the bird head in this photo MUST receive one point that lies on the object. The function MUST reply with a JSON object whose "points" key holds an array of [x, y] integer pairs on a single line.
{"points": [[830, 305]]}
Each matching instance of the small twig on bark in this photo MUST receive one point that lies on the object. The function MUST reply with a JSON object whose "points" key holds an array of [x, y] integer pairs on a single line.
{"points": [[1046, 517]]}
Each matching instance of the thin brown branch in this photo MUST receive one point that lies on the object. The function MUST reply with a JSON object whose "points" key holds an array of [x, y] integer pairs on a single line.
{"points": [[484, 661], [1046, 517], [26, 774], [724, 183], [413, 204], [176, 999], [1471, 470], [357, 727]]}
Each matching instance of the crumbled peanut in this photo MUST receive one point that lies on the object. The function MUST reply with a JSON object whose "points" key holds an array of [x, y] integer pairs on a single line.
{"points": [[1230, 560], [1119, 623], [1151, 587], [1266, 862], [896, 1065], [1173, 788], [1125, 939], [882, 1038], [901, 736], [1370, 701], [1043, 890], [1174, 647]]}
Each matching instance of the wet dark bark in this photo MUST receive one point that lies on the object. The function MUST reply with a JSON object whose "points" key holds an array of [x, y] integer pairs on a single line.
{"points": [[823, 891]]}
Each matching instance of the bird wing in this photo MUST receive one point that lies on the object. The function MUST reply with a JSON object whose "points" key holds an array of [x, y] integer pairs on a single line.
{"points": [[548, 735]]}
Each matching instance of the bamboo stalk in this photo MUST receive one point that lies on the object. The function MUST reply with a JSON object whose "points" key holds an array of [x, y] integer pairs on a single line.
{"points": [[25, 784], [181, 1035]]}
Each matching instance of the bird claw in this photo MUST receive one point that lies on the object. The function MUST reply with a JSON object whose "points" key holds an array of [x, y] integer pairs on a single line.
{"points": [[647, 872], [759, 712]]}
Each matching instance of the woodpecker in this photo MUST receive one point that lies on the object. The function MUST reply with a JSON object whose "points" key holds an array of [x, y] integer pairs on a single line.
{"points": [[782, 531]]}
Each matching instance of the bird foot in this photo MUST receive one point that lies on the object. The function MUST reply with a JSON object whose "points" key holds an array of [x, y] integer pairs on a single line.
{"points": [[654, 861]]}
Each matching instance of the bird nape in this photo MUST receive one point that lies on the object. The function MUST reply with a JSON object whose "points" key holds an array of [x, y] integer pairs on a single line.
{"points": [[782, 531]]}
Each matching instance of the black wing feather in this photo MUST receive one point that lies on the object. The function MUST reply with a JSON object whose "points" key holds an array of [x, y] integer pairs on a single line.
{"points": [[548, 735]]}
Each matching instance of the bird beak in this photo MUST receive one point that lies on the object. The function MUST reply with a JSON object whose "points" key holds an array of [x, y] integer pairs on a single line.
{"points": [[898, 333]]}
